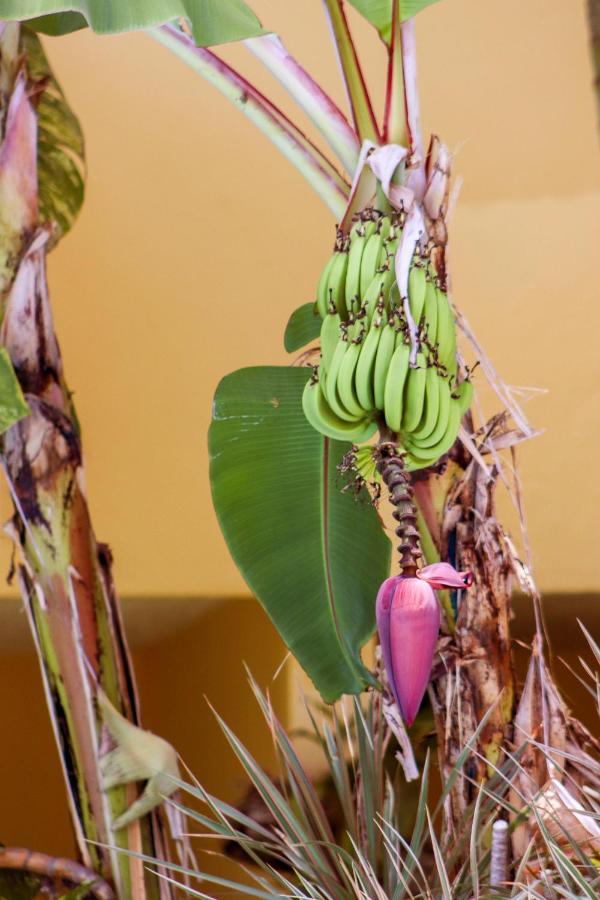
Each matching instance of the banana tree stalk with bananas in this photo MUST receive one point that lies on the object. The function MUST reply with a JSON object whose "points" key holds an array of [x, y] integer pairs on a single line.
{"points": [[385, 400]]}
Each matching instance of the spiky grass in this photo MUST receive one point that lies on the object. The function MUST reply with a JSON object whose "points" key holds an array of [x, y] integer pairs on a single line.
{"points": [[299, 853]]}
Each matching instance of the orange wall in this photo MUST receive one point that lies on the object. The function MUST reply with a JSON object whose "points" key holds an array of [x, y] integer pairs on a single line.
{"points": [[197, 240]]}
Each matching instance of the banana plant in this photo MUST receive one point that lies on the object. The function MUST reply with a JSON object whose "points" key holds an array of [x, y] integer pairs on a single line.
{"points": [[293, 493]]}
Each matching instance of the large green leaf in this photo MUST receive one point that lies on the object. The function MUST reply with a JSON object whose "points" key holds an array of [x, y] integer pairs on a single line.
{"points": [[313, 554], [211, 21], [304, 325], [59, 23], [61, 152], [379, 12]]}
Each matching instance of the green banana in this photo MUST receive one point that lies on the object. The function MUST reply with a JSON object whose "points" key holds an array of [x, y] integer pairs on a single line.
{"points": [[379, 287], [345, 378], [446, 331], [330, 335], [421, 444], [394, 386], [358, 240], [323, 419], [329, 386], [385, 351], [431, 317], [463, 393], [366, 465], [417, 286], [414, 394], [388, 250], [336, 283], [322, 296], [431, 406], [371, 254], [432, 453], [365, 368]]}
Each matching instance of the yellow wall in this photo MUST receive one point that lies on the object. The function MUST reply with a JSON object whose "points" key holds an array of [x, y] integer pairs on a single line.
{"points": [[197, 240]]}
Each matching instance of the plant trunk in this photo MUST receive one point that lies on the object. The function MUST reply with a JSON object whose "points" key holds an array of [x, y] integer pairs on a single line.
{"points": [[63, 572]]}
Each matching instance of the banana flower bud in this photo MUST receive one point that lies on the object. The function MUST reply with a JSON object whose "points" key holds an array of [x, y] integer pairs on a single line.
{"points": [[408, 621]]}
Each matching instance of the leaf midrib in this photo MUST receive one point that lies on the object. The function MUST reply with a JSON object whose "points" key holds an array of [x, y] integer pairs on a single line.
{"points": [[326, 559]]}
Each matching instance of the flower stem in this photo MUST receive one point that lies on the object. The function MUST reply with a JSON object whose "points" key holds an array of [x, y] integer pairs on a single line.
{"points": [[310, 96], [358, 95], [394, 124], [320, 173], [397, 481]]}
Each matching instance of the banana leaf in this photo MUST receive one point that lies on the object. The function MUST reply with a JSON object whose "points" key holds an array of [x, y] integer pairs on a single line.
{"points": [[379, 13], [60, 144], [212, 21], [312, 553], [304, 325]]}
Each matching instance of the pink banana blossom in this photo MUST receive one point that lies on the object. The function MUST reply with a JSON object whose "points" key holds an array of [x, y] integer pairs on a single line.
{"points": [[408, 621]]}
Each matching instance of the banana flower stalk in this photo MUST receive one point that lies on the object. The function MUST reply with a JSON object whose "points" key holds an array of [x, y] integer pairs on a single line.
{"points": [[408, 622]]}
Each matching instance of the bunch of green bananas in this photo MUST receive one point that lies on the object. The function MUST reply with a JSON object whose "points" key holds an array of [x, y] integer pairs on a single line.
{"points": [[364, 378]]}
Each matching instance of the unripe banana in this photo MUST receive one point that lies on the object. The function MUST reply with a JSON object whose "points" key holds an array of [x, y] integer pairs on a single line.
{"points": [[414, 394], [322, 296], [387, 257], [432, 453], [371, 255], [359, 236], [394, 386], [378, 289], [385, 351], [431, 406], [446, 331], [323, 419], [365, 368], [330, 335], [431, 312], [346, 389], [336, 283], [419, 445], [365, 464], [464, 395], [329, 386], [417, 287]]}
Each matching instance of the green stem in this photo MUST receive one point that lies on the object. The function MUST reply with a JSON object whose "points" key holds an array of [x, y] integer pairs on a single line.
{"points": [[295, 146], [310, 97], [394, 121], [358, 95]]}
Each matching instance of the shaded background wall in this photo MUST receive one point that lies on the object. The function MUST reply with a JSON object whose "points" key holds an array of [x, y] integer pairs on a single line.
{"points": [[196, 242]]}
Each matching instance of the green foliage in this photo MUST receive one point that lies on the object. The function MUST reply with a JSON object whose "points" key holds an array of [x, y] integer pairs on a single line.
{"points": [[304, 325], [379, 13], [61, 152], [295, 850], [211, 21], [12, 402], [313, 554], [58, 23]]}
